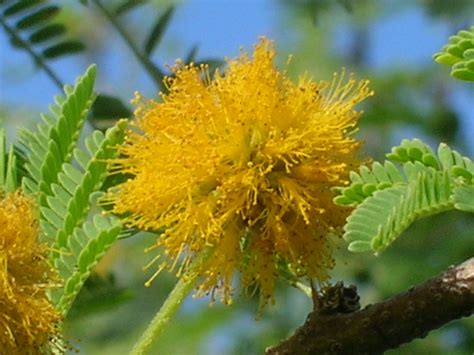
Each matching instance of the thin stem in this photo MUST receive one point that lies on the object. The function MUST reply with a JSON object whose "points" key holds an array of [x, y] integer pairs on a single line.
{"points": [[294, 282], [167, 310], [170, 306], [38, 59], [302, 287], [155, 73]]}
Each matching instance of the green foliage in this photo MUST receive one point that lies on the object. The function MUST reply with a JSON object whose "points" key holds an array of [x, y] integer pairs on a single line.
{"points": [[8, 166], [70, 198], [153, 38], [127, 5], [464, 197], [30, 27], [67, 182], [107, 107], [33, 28], [459, 53], [388, 199], [100, 293], [85, 247], [56, 136], [157, 31]]}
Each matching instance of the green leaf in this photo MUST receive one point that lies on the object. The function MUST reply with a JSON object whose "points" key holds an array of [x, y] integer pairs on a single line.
{"points": [[429, 194], [363, 224], [17, 42], [82, 253], [387, 200], [464, 198], [37, 17], [413, 150], [344, 201], [380, 219], [462, 72], [63, 48], [127, 6], [458, 171], [71, 195], [8, 165], [109, 107], [11, 178], [158, 30], [97, 295], [368, 181], [3, 156], [20, 6], [416, 157], [359, 246], [52, 144], [459, 53], [191, 55], [34, 27], [47, 32]]}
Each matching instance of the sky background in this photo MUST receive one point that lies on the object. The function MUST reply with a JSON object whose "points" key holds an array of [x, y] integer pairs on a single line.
{"points": [[403, 38]]}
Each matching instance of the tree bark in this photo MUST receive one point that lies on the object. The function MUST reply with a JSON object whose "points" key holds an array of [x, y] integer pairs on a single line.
{"points": [[390, 323]]}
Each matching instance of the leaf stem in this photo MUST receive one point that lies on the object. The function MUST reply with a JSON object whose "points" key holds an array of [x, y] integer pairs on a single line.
{"points": [[169, 308], [155, 73], [304, 288], [37, 58]]}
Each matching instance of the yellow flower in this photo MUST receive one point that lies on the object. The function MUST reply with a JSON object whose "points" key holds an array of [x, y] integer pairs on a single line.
{"points": [[242, 165], [28, 321]]}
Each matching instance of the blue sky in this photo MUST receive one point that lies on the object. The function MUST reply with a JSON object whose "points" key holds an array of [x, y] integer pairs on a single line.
{"points": [[399, 39]]}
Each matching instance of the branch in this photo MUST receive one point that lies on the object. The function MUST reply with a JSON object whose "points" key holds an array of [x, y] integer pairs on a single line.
{"points": [[388, 324], [36, 57], [155, 73]]}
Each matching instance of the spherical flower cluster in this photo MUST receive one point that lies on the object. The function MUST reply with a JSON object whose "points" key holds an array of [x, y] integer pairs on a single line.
{"points": [[241, 166], [28, 321]]}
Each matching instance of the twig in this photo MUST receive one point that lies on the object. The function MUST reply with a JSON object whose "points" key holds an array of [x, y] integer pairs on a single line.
{"points": [[155, 73], [388, 324], [171, 305], [37, 58], [161, 319]]}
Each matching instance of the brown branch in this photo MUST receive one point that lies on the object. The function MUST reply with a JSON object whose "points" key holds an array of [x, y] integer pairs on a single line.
{"points": [[388, 324]]}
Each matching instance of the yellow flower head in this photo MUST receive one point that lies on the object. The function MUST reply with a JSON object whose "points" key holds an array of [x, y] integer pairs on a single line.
{"points": [[242, 165], [28, 321]]}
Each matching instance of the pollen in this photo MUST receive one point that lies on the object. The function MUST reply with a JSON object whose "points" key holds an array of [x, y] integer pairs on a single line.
{"points": [[243, 165], [28, 321]]}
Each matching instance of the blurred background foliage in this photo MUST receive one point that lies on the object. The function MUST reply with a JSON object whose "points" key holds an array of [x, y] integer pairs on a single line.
{"points": [[389, 42]]}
